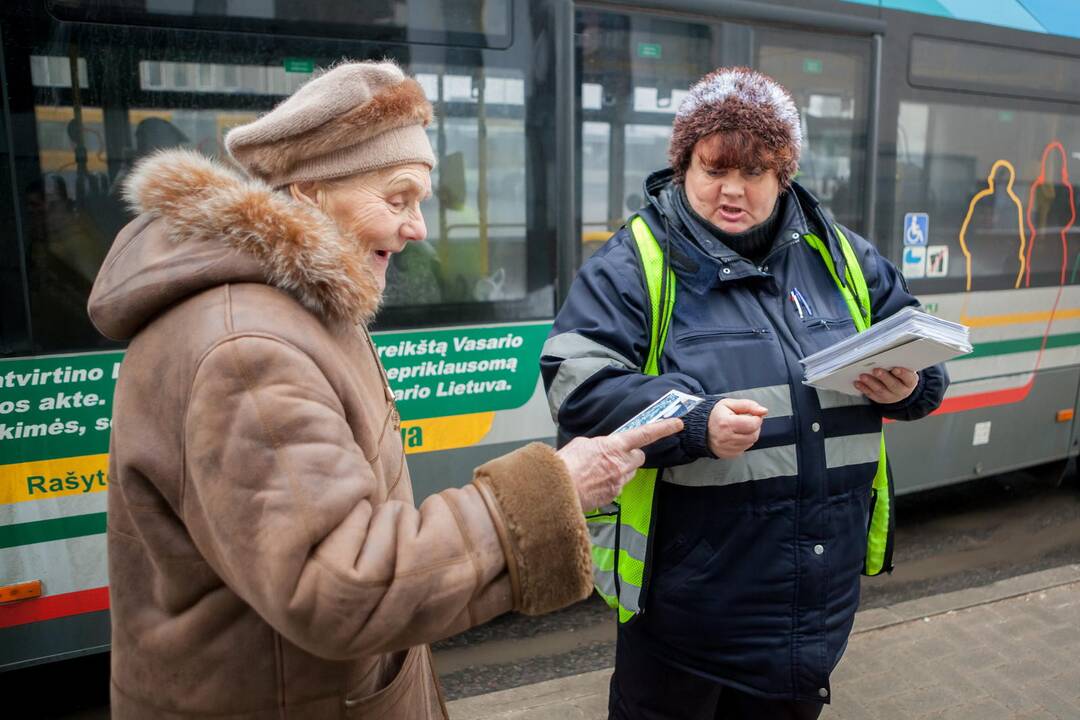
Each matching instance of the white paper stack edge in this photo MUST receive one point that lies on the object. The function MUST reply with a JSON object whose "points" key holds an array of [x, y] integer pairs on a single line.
{"points": [[910, 338]]}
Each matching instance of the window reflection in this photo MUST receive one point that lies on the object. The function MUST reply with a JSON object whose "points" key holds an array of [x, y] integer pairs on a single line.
{"points": [[484, 24], [635, 70], [830, 88], [999, 185], [220, 78], [596, 220], [55, 71], [67, 206], [950, 64], [476, 250], [646, 151]]}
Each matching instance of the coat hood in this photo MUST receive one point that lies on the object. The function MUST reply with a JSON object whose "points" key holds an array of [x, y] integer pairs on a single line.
{"points": [[654, 184], [201, 225]]}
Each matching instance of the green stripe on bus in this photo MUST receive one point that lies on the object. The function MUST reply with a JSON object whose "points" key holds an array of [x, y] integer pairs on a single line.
{"points": [[40, 531], [1028, 344]]}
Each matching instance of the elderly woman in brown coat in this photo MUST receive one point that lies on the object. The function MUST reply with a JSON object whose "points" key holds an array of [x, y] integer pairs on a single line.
{"points": [[265, 554]]}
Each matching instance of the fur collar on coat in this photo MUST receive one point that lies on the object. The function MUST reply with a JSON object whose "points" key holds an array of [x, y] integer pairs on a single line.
{"points": [[246, 229]]}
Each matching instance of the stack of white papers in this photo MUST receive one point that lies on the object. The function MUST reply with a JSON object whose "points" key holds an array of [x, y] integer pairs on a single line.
{"points": [[910, 339]]}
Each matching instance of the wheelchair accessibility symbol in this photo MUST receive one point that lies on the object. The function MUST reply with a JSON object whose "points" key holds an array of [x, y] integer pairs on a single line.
{"points": [[916, 228]]}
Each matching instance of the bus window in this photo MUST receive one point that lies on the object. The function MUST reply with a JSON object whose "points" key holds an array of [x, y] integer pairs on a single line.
{"points": [[64, 208], [646, 151], [488, 256], [475, 250], [66, 246], [201, 77], [57, 141], [474, 24], [829, 79], [596, 221], [955, 64], [15, 336], [55, 71], [634, 71], [999, 185]]}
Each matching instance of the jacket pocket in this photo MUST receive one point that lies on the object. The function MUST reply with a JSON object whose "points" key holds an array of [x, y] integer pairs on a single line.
{"points": [[685, 569], [724, 357], [412, 693], [819, 333], [719, 335]]}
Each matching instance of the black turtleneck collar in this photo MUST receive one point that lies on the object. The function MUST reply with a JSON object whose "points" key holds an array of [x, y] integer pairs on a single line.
{"points": [[753, 244]]}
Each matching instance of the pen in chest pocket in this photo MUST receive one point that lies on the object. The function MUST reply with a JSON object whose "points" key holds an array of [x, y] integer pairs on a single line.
{"points": [[802, 301], [795, 301]]}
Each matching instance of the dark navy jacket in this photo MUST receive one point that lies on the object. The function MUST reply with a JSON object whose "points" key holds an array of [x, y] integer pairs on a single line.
{"points": [[754, 563]]}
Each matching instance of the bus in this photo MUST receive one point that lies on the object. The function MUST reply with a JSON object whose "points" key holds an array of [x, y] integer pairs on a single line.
{"points": [[946, 132]]}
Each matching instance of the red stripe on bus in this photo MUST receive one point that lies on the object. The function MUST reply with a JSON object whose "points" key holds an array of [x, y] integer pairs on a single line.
{"points": [[977, 401], [51, 607]]}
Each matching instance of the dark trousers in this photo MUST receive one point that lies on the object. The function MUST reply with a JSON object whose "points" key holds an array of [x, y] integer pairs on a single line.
{"points": [[644, 688]]}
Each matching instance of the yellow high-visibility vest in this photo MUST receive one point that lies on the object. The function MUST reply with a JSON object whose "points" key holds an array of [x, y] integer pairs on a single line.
{"points": [[621, 531]]}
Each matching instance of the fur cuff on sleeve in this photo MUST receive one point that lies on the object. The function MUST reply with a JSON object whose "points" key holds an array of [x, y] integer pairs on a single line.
{"points": [[542, 528]]}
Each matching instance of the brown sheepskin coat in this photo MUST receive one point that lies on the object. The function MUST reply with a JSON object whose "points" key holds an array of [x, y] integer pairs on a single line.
{"points": [[266, 558]]}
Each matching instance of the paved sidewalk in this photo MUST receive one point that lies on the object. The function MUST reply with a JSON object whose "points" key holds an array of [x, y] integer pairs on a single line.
{"points": [[1006, 650]]}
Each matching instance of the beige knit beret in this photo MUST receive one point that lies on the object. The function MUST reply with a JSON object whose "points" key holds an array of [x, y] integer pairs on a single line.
{"points": [[350, 119]]}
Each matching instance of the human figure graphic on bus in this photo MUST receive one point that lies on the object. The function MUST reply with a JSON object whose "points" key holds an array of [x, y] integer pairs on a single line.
{"points": [[266, 558], [734, 561], [1050, 215], [993, 236]]}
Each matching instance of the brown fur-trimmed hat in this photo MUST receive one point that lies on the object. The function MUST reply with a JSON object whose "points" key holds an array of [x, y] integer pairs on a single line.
{"points": [[352, 118], [744, 103]]}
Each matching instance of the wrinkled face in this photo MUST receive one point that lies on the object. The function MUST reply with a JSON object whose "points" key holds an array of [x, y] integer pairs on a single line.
{"points": [[732, 199], [380, 209]]}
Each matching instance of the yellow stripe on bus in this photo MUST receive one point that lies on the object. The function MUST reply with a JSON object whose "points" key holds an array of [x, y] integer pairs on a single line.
{"points": [[1017, 318], [44, 479], [22, 482], [445, 433]]}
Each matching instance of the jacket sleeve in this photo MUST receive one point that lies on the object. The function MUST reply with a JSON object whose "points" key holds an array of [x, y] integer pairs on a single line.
{"points": [[592, 361], [889, 294], [288, 511]]}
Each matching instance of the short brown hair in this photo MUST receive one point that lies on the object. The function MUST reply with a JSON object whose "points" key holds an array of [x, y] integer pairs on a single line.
{"points": [[752, 113], [745, 150]]}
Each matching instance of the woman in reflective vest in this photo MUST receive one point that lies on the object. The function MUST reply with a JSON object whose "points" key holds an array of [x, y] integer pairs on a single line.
{"points": [[734, 564]]}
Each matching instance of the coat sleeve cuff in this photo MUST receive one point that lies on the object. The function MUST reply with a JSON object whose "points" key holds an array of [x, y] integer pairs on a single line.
{"points": [[541, 527], [695, 435]]}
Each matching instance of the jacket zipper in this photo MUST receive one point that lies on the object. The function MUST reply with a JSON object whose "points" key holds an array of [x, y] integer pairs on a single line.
{"points": [[395, 415], [778, 248], [696, 337], [829, 323]]}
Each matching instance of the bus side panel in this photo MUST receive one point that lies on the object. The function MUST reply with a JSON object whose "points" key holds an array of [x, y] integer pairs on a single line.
{"points": [[50, 640], [951, 447]]}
